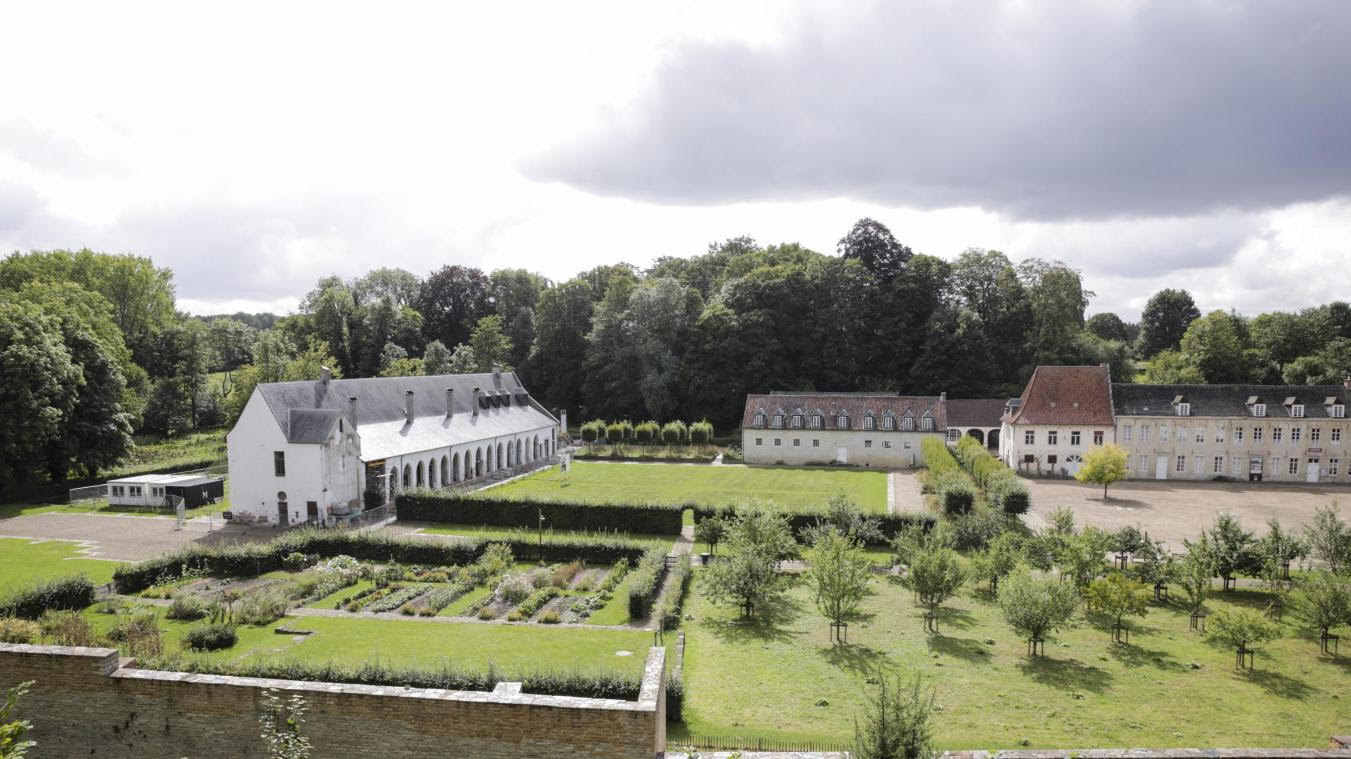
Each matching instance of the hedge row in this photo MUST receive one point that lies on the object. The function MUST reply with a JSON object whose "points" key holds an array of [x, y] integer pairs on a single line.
{"points": [[249, 560], [955, 493], [800, 519], [669, 610], [65, 593], [428, 506], [645, 581], [1002, 487]]}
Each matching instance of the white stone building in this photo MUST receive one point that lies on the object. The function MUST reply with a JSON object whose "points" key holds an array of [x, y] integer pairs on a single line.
{"points": [[1063, 412], [312, 451], [858, 429]]}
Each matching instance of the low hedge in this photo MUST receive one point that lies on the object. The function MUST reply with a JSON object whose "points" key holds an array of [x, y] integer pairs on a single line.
{"points": [[64, 593], [646, 581], [1002, 487], [210, 637], [800, 519], [250, 560], [427, 506], [955, 493], [677, 587]]}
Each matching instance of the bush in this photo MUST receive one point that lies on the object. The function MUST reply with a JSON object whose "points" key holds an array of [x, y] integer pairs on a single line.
{"points": [[515, 588], [13, 630], [139, 634], [646, 433], [954, 490], [534, 603], [486, 509], [677, 587], [593, 431], [973, 530], [295, 561], [187, 607], [210, 637], [674, 433], [261, 608], [646, 581], [67, 628], [800, 521], [701, 433], [1002, 487], [65, 593]]}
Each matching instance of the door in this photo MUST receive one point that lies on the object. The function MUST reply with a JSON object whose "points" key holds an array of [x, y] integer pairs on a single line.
{"points": [[1311, 474], [1161, 468], [312, 512], [842, 455], [1255, 469], [1072, 464], [283, 518]]}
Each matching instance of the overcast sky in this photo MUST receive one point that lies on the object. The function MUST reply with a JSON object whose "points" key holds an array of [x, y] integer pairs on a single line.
{"points": [[256, 147]]}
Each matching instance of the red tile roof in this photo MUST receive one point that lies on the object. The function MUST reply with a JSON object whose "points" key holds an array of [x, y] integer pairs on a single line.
{"points": [[855, 405], [975, 412], [1066, 395]]}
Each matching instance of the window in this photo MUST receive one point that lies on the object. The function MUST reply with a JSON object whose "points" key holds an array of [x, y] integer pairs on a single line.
{"points": [[1052, 436], [954, 434], [1297, 410], [134, 491], [1236, 465], [778, 420], [1315, 434], [1051, 459], [1238, 434], [908, 424], [117, 491], [1097, 437], [907, 445], [928, 424], [1336, 435], [1164, 430], [778, 441], [156, 492], [889, 423], [279, 463], [1144, 434], [1296, 433], [1126, 432], [1219, 434], [869, 423], [1200, 435], [1257, 434], [1184, 409], [1074, 437], [1181, 434], [1219, 465], [759, 441], [816, 443], [886, 443], [759, 420], [797, 421], [1259, 409], [797, 442], [867, 444], [1142, 463], [1198, 466], [842, 422], [817, 421], [1181, 463], [1294, 466], [1334, 467], [1030, 437], [1338, 411], [1277, 433]]}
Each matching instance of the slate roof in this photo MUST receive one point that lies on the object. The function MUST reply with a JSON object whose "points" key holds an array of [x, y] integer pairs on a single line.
{"points": [[305, 411], [1066, 395], [975, 412], [1226, 400], [854, 405]]}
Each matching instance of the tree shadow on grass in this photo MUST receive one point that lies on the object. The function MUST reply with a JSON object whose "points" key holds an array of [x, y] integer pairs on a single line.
{"points": [[1067, 674], [1131, 655], [970, 649], [1278, 684], [768, 624], [856, 658], [959, 618]]}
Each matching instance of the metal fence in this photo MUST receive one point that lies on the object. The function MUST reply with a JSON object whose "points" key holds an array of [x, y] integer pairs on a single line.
{"points": [[371, 516]]}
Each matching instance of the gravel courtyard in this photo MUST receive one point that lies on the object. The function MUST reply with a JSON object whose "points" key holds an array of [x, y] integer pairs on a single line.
{"points": [[1175, 510], [127, 538]]}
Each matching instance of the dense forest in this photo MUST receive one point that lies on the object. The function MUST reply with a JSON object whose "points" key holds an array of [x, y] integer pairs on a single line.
{"points": [[93, 349]]}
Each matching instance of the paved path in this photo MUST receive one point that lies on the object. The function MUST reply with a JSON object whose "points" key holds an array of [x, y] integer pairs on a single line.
{"points": [[903, 492], [685, 543], [122, 537]]}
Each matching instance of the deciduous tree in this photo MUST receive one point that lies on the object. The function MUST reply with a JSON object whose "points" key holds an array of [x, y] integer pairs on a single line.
{"points": [[1103, 465]]}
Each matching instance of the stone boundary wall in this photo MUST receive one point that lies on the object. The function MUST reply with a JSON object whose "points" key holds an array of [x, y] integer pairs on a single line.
{"points": [[87, 702]]}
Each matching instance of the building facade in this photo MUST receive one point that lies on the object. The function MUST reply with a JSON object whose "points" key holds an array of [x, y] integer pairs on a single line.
{"points": [[1256, 433], [316, 451], [980, 418], [855, 429]]}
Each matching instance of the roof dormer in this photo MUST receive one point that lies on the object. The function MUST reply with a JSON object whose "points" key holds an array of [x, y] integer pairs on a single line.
{"points": [[1294, 407], [1182, 405], [1256, 406], [1336, 409]]}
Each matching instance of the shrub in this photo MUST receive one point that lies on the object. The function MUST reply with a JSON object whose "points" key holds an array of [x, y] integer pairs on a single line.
{"points": [[561, 576], [801, 521], [676, 588], [616, 576], [487, 509], [646, 433], [294, 561], [397, 597], [261, 608], [514, 588], [67, 628], [1002, 487], [187, 606], [138, 633], [211, 637], [701, 433], [65, 593], [674, 433], [975, 529], [535, 602], [550, 618], [13, 630], [593, 431], [646, 581], [897, 722]]}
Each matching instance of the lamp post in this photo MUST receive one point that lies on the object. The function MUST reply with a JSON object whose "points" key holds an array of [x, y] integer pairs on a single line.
{"points": [[541, 535]]}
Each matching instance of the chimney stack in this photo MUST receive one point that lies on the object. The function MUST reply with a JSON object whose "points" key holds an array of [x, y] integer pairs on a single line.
{"points": [[943, 396], [325, 374], [476, 391], [450, 401], [408, 406], [497, 371], [1346, 382], [352, 410]]}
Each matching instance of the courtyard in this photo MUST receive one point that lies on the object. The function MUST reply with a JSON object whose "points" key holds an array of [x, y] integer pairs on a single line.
{"points": [[1173, 511]]}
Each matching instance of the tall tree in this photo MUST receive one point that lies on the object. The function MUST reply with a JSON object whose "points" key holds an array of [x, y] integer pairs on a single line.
{"points": [[1108, 326], [451, 301], [491, 346], [1166, 317], [1214, 345], [557, 356], [1058, 299], [38, 384], [873, 245], [514, 294]]}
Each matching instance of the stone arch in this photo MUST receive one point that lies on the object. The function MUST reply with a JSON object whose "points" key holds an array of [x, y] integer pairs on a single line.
{"points": [[421, 475], [500, 465], [431, 474], [519, 446], [407, 475], [992, 439], [977, 434], [535, 446], [455, 467], [394, 480], [445, 470]]}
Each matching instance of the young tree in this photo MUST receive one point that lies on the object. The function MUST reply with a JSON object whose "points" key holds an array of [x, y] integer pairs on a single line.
{"points": [[748, 574], [1234, 548], [1195, 572], [1322, 600], [844, 516], [1117, 596], [1000, 557], [1155, 566], [896, 722], [1037, 606], [1240, 629], [12, 743], [710, 531], [1103, 465], [1278, 548], [839, 574], [1330, 538], [934, 574], [1080, 557], [280, 723]]}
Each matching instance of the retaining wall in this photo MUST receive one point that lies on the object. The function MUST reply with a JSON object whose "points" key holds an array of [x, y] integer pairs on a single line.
{"points": [[86, 702]]}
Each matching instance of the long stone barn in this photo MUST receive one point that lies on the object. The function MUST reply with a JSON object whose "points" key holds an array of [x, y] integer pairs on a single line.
{"points": [[318, 451]]}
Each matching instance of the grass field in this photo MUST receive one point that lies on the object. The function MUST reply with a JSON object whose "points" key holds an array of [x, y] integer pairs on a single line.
{"points": [[766, 679], [598, 482], [24, 562]]}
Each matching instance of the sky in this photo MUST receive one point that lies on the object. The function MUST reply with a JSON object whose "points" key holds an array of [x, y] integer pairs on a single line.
{"points": [[255, 147]]}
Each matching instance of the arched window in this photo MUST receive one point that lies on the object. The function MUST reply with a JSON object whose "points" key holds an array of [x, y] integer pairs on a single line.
{"points": [[431, 474], [455, 467], [500, 463], [407, 475], [488, 460], [445, 471], [421, 475], [519, 447], [478, 461]]}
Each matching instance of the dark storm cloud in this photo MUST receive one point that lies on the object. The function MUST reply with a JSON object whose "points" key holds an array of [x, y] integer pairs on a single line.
{"points": [[1046, 110]]}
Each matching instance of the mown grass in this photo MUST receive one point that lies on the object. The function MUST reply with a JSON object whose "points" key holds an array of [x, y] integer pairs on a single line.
{"points": [[766, 678], [25, 562], [602, 482], [488, 532]]}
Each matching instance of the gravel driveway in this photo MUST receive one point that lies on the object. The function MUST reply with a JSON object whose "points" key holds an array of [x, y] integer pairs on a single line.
{"points": [[127, 538]]}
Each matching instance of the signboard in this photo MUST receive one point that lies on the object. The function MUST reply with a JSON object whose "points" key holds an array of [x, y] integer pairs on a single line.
{"points": [[227, 515]]}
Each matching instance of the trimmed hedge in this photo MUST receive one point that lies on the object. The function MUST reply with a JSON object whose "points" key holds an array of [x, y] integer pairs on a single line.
{"points": [[64, 593], [1002, 487], [250, 560], [955, 493], [646, 581], [676, 588], [799, 520], [426, 506]]}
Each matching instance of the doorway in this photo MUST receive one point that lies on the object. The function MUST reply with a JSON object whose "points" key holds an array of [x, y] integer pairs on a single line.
{"points": [[1161, 468], [842, 455], [283, 517], [312, 512], [1311, 474]]}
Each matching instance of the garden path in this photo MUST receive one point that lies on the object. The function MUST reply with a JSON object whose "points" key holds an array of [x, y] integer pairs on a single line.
{"points": [[339, 614], [903, 492]]}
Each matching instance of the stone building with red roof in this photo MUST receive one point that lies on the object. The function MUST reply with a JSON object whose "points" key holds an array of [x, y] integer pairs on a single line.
{"points": [[1063, 412]]}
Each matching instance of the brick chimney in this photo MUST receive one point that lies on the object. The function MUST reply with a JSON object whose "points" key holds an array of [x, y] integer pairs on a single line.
{"points": [[408, 406], [475, 406], [352, 410], [450, 402]]}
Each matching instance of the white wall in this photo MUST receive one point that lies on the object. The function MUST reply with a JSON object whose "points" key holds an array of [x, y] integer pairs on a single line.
{"points": [[1013, 449], [1171, 437], [903, 453]]}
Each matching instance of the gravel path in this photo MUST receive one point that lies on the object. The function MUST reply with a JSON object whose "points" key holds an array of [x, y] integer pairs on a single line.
{"points": [[121, 537], [903, 492]]}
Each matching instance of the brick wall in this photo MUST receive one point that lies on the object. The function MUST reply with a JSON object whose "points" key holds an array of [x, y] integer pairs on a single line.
{"points": [[85, 703]]}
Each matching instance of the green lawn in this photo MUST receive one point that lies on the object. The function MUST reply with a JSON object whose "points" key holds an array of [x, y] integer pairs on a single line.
{"points": [[765, 679], [599, 482], [24, 562], [487, 532]]}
